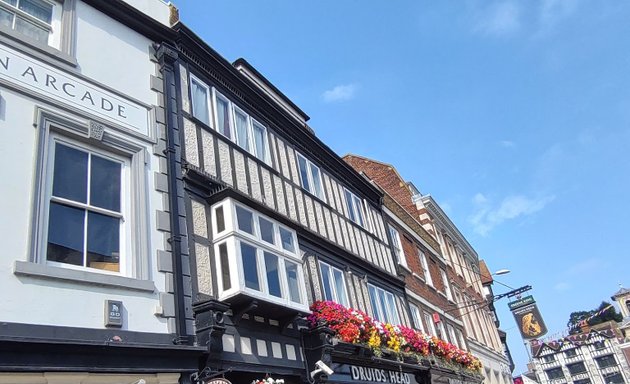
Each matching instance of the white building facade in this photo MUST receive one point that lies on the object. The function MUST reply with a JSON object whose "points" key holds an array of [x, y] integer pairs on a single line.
{"points": [[86, 269]]}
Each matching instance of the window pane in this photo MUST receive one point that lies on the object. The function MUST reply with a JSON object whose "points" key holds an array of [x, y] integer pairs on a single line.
{"points": [[200, 102], [317, 182], [220, 219], [273, 274], [223, 118], [326, 283], [250, 266], [245, 220], [292, 279], [260, 141], [12, 2], [350, 204], [304, 173], [359, 209], [37, 8], [241, 130], [31, 30], [374, 301], [103, 242], [286, 237], [225, 267], [70, 173], [266, 230], [6, 18], [65, 234], [391, 309], [105, 183], [340, 288]]}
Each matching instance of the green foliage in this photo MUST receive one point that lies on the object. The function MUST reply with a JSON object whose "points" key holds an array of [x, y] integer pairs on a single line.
{"points": [[576, 317]]}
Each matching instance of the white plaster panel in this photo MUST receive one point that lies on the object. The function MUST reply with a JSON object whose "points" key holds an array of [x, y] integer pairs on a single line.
{"points": [[310, 211], [266, 183], [291, 355], [293, 165], [329, 226], [338, 231], [276, 350], [239, 168], [321, 225], [277, 183], [209, 160], [183, 80], [261, 347], [226, 163], [329, 192], [246, 346], [228, 343], [200, 223], [254, 180], [204, 271], [292, 210], [282, 155], [299, 196], [312, 266]]}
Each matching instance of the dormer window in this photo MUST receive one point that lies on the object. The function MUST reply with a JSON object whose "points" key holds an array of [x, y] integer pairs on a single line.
{"points": [[257, 257]]}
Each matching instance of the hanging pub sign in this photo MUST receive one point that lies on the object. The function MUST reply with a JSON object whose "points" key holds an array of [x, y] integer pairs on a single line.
{"points": [[528, 319], [347, 373]]}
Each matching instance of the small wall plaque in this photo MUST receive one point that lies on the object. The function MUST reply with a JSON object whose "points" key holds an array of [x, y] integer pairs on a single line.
{"points": [[113, 313]]}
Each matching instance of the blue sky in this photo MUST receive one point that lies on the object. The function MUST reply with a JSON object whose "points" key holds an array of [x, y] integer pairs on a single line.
{"points": [[513, 115]]}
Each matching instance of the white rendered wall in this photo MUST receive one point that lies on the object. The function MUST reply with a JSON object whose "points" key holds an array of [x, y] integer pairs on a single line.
{"points": [[117, 57]]}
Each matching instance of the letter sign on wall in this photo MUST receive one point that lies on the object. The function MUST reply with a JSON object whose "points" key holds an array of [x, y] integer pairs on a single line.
{"points": [[23, 71], [113, 313]]}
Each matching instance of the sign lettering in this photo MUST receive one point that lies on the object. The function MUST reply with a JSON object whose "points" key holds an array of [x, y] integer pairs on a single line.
{"points": [[44, 79]]}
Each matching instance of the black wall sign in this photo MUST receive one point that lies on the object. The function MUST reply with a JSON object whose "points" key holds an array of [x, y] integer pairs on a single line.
{"points": [[369, 375], [113, 313], [529, 321]]}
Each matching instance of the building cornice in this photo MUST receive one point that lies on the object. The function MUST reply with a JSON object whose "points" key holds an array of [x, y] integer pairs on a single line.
{"points": [[411, 224]]}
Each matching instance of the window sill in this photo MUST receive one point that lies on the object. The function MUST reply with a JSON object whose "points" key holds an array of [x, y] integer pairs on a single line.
{"points": [[82, 277], [418, 277], [406, 268]]}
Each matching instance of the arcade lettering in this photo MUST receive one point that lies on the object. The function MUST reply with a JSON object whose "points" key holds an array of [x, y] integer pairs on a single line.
{"points": [[379, 375], [22, 70], [69, 89]]}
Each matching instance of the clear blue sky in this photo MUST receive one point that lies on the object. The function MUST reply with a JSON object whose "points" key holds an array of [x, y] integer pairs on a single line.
{"points": [[514, 115]]}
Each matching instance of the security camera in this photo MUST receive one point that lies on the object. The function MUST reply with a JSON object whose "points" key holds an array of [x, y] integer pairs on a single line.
{"points": [[321, 367]]}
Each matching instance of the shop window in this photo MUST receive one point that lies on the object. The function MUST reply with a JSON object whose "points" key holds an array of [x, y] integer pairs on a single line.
{"points": [[333, 284], [257, 256]]}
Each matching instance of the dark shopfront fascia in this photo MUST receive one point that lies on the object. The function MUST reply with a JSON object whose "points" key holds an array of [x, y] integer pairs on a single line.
{"points": [[357, 364]]}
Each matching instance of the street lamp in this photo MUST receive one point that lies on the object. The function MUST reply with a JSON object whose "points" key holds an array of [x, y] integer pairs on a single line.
{"points": [[501, 272]]}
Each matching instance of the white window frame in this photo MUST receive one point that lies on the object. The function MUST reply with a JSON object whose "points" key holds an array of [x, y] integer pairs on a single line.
{"points": [[430, 325], [399, 252], [425, 267], [54, 33], [209, 100], [452, 336], [355, 208], [137, 274], [309, 175], [333, 288], [417, 317], [232, 236], [124, 215], [216, 95], [462, 339], [386, 311], [447, 285]]}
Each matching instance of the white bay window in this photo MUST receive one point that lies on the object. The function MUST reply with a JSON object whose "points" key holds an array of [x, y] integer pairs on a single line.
{"points": [[256, 256]]}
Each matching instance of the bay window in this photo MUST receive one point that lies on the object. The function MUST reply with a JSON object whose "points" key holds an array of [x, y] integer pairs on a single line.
{"points": [[383, 305], [256, 256], [333, 284]]}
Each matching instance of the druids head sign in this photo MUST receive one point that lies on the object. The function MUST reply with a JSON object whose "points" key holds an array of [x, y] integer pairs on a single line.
{"points": [[529, 320], [369, 375]]}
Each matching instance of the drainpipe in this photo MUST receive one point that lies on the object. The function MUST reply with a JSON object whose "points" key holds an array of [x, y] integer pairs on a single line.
{"points": [[168, 58]]}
